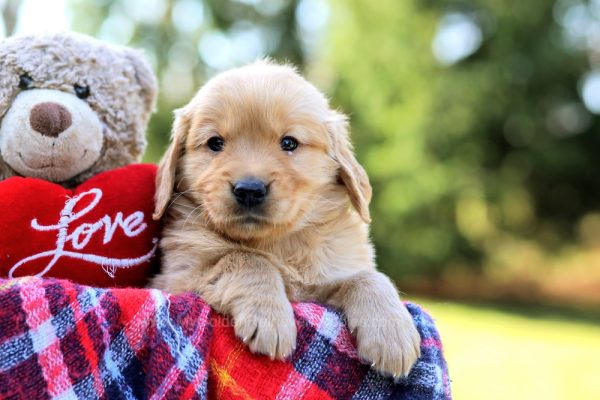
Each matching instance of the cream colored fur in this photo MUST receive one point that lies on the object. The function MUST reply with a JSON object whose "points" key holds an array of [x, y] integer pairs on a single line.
{"points": [[108, 129], [311, 241], [53, 158]]}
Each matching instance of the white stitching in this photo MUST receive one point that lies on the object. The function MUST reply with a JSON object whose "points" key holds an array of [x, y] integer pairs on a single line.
{"points": [[80, 237]]}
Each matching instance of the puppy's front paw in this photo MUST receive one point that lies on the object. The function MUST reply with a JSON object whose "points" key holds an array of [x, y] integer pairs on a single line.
{"points": [[388, 340], [267, 327]]}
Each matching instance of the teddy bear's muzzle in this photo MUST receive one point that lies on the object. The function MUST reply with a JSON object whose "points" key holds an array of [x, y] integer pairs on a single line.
{"points": [[50, 119], [50, 134]]}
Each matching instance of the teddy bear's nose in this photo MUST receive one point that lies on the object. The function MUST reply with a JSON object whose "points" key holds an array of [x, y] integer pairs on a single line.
{"points": [[50, 119]]}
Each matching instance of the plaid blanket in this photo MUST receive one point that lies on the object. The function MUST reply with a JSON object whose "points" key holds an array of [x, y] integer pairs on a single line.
{"points": [[61, 340]]}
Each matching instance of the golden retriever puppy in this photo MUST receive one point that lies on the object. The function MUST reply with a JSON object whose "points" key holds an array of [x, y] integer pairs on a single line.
{"points": [[266, 204]]}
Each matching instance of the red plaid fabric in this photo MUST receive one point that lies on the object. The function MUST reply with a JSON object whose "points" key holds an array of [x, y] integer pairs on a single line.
{"points": [[66, 341]]}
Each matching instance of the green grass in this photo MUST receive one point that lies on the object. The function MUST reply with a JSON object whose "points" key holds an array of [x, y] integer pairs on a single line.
{"points": [[509, 353]]}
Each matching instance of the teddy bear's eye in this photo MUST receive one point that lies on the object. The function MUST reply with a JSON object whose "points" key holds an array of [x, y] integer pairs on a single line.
{"points": [[25, 82], [83, 92]]}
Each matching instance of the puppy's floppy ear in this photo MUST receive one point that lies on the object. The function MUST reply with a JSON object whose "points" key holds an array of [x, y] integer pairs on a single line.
{"points": [[351, 173], [165, 178]]}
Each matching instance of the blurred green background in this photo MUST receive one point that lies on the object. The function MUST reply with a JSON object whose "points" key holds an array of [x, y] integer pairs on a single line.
{"points": [[478, 122]]}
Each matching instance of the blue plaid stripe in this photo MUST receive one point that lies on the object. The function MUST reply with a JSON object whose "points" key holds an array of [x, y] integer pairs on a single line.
{"points": [[114, 362], [186, 356], [24, 346], [15, 351], [84, 388], [373, 388], [116, 359], [310, 363]]}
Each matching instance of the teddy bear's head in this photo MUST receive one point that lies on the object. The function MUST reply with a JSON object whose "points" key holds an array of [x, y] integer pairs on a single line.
{"points": [[71, 107]]}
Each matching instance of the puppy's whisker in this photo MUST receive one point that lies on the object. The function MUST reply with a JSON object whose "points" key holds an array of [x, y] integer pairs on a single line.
{"points": [[179, 183], [315, 216], [203, 213], [190, 214], [187, 206], [177, 196], [323, 199]]}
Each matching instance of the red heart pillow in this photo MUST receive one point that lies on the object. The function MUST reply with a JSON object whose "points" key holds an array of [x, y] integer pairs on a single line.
{"points": [[99, 234]]}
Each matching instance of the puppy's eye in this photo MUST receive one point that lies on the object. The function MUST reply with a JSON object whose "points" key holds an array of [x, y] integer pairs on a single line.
{"points": [[216, 144], [83, 92], [289, 143], [25, 82]]}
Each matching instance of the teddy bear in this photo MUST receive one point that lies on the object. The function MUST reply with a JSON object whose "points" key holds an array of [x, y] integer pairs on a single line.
{"points": [[71, 107], [73, 117]]}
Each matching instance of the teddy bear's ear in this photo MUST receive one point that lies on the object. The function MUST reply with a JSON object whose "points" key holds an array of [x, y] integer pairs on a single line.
{"points": [[145, 78], [165, 178]]}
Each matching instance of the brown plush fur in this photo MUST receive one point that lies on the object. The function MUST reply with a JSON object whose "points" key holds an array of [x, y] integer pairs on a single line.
{"points": [[310, 243], [122, 95]]}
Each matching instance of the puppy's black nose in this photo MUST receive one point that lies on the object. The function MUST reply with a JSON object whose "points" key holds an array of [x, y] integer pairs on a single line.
{"points": [[250, 192]]}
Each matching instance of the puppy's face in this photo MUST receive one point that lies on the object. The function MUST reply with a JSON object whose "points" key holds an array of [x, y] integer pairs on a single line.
{"points": [[261, 153]]}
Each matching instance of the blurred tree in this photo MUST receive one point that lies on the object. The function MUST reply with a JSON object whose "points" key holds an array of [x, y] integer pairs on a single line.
{"points": [[9, 15], [468, 118], [190, 40]]}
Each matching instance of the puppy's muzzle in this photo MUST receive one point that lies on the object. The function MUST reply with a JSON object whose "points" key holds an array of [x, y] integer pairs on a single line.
{"points": [[250, 192]]}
